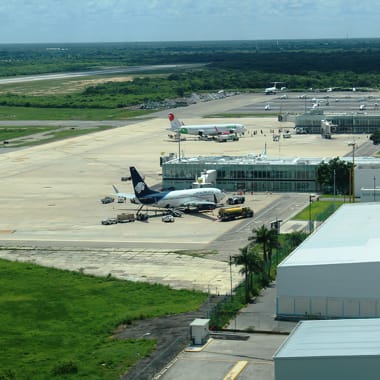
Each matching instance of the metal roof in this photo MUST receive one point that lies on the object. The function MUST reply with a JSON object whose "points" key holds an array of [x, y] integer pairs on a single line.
{"points": [[338, 338], [350, 235], [254, 159]]}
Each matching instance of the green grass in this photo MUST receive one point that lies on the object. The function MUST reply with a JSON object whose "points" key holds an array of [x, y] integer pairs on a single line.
{"points": [[31, 113], [49, 134], [57, 323], [12, 132], [319, 210]]}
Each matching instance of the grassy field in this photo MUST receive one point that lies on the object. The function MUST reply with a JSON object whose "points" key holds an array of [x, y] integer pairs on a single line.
{"points": [[319, 210], [13, 132], [30, 113], [16, 136], [59, 324]]}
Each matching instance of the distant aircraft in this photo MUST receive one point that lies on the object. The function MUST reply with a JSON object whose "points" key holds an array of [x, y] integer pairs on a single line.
{"points": [[206, 198], [204, 129], [273, 90]]}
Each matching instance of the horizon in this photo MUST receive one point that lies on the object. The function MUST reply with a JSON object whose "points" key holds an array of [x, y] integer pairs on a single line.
{"points": [[97, 21], [191, 41]]}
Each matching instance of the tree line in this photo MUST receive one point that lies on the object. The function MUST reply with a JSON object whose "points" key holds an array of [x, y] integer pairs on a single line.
{"points": [[179, 84], [272, 56]]}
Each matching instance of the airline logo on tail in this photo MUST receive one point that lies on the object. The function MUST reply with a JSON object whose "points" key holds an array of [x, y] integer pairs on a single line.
{"points": [[139, 188], [174, 122]]}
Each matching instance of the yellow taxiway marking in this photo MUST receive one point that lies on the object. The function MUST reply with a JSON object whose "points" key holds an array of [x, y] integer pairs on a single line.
{"points": [[236, 370]]}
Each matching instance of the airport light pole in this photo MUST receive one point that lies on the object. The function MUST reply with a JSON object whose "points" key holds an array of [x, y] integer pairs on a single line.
{"points": [[353, 172], [374, 188], [179, 146], [310, 227], [334, 184], [231, 275]]}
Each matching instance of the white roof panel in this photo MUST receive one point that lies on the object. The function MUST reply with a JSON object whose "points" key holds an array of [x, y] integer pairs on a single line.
{"points": [[333, 338], [351, 235]]}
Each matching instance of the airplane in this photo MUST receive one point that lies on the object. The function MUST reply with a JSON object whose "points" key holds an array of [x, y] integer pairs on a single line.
{"points": [[205, 129], [201, 199], [273, 90]]}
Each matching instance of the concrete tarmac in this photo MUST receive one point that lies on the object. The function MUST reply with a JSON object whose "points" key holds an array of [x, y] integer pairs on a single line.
{"points": [[50, 214], [50, 194]]}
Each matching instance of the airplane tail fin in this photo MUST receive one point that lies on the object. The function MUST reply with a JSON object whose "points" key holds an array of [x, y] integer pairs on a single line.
{"points": [[175, 124], [140, 187]]}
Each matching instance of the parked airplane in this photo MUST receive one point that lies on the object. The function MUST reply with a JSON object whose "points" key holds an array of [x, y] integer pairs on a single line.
{"points": [[273, 90], [206, 198], [204, 129]]}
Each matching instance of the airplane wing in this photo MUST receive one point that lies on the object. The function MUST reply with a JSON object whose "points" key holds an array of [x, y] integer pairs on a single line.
{"points": [[132, 197]]}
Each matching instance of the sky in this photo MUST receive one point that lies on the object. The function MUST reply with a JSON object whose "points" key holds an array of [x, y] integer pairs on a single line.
{"points": [[39, 21]]}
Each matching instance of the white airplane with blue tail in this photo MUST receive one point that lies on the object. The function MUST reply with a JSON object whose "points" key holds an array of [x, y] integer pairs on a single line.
{"points": [[206, 198]]}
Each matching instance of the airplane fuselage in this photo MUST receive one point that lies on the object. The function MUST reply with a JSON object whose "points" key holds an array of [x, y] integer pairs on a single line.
{"points": [[182, 198], [211, 129]]}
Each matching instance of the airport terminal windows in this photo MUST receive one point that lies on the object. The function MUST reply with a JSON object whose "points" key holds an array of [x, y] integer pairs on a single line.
{"points": [[240, 174], [360, 123]]}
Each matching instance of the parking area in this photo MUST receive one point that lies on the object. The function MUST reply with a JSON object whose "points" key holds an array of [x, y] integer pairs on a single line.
{"points": [[300, 102], [221, 359]]}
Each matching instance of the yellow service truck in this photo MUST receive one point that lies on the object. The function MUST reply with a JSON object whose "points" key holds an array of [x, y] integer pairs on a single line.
{"points": [[231, 213]]}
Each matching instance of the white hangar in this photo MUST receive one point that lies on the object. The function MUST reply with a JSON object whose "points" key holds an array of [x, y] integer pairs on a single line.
{"points": [[335, 272], [330, 350]]}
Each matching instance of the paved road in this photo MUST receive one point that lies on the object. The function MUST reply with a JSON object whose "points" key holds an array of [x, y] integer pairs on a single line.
{"points": [[282, 207]]}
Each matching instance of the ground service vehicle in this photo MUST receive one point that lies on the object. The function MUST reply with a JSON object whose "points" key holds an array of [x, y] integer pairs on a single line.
{"points": [[109, 221], [106, 200], [168, 218], [231, 213], [236, 200], [125, 218]]}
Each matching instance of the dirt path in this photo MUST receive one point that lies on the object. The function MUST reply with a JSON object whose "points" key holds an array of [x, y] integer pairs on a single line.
{"points": [[172, 334]]}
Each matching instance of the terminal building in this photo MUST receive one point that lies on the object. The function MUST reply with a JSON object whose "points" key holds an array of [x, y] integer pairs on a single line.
{"points": [[344, 122], [334, 273], [244, 173], [260, 174]]}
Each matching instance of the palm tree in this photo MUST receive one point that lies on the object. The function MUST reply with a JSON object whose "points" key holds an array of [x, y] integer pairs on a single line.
{"points": [[295, 238], [251, 263], [268, 238], [243, 259]]}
